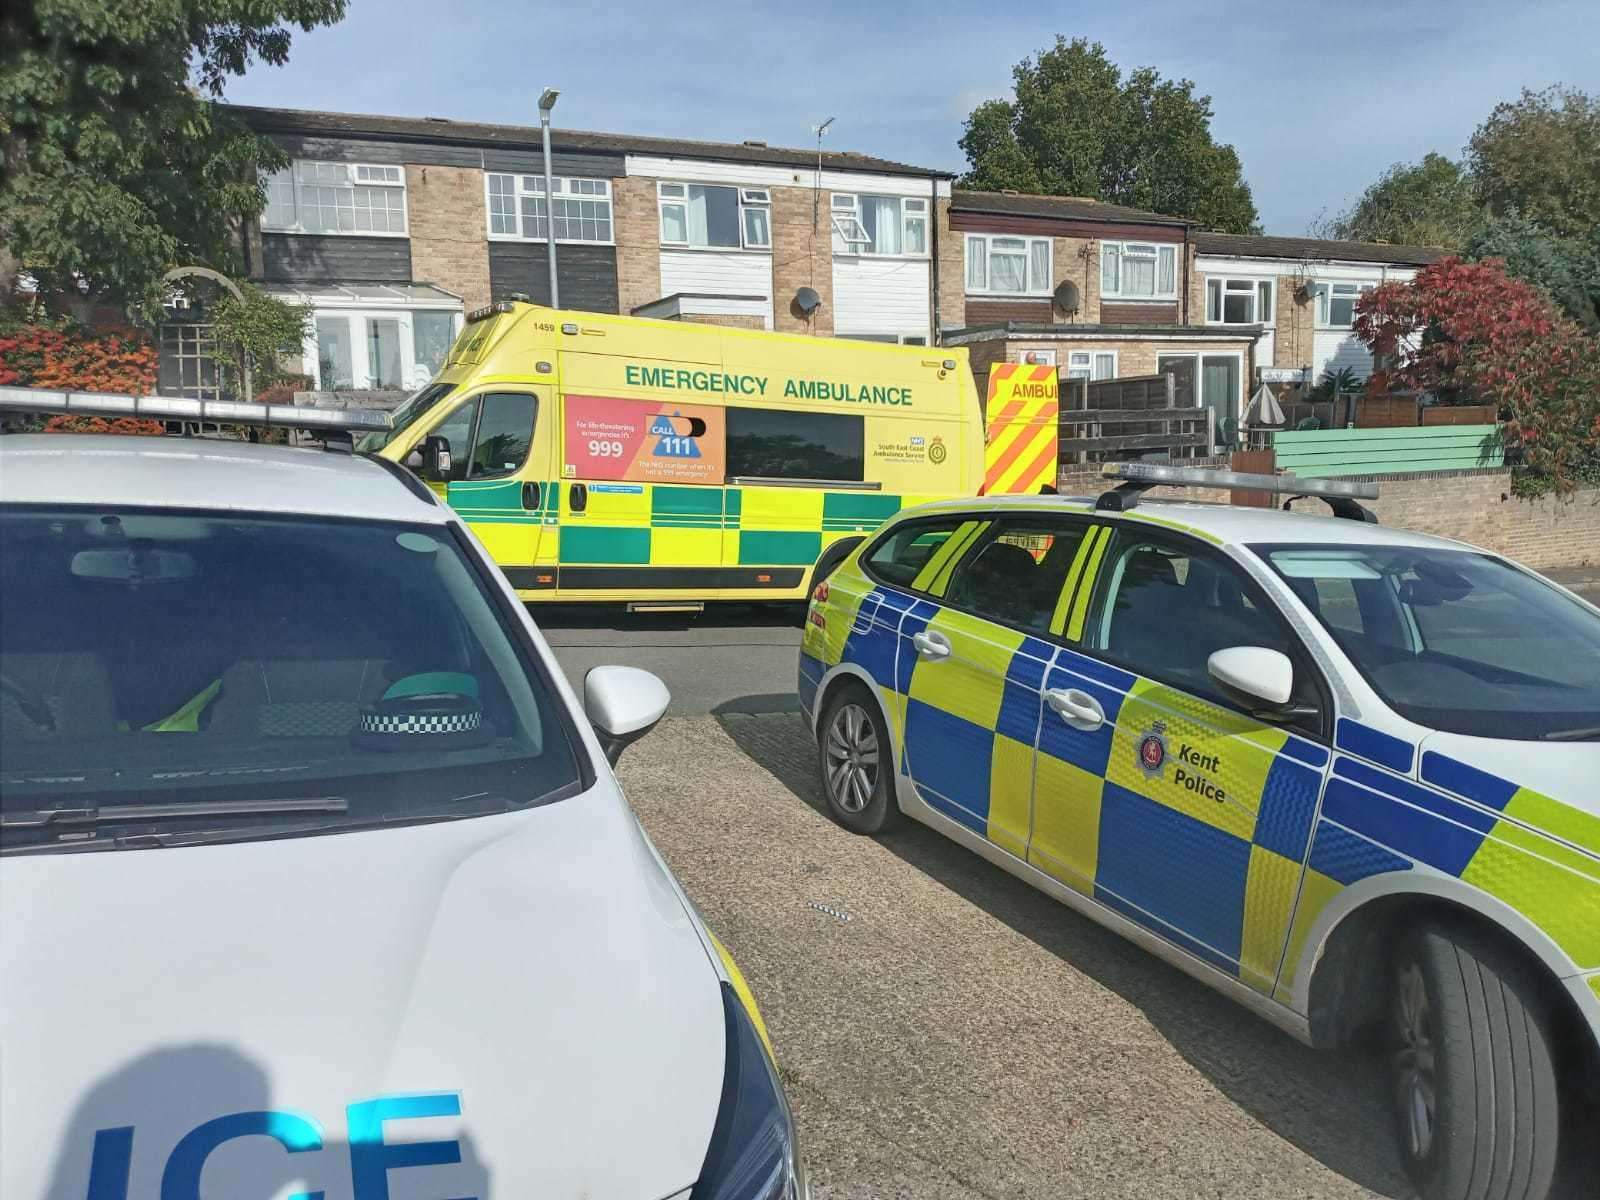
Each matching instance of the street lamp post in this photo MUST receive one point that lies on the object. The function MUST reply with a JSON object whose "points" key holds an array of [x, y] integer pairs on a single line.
{"points": [[546, 102]]}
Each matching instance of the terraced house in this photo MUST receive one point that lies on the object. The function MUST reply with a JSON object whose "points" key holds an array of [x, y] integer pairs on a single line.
{"points": [[1102, 291], [393, 228]]}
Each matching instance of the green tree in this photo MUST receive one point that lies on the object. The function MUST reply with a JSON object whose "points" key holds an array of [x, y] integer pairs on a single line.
{"points": [[1430, 203], [1077, 127], [117, 163], [1566, 269], [1540, 156]]}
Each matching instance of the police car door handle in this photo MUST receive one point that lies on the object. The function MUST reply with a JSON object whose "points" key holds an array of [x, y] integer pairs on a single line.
{"points": [[1078, 709], [931, 645]]}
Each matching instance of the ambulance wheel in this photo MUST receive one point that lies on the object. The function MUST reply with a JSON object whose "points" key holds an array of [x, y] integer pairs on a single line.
{"points": [[1470, 1068], [857, 763]]}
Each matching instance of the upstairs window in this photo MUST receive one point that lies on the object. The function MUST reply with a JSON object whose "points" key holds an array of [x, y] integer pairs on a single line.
{"points": [[334, 197], [1008, 266], [879, 225], [1336, 303], [1138, 271], [1238, 301], [710, 217], [517, 208]]}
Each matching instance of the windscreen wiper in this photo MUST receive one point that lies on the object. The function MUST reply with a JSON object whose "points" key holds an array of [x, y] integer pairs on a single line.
{"points": [[43, 818], [1572, 735]]}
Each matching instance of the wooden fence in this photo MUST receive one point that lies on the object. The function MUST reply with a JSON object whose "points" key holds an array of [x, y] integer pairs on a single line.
{"points": [[1317, 452], [1124, 418]]}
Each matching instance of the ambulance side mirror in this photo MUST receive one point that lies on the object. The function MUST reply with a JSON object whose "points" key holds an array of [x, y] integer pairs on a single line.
{"points": [[623, 704], [1261, 679], [436, 460]]}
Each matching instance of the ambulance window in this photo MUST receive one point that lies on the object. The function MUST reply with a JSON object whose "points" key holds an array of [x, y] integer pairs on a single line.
{"points": [[901, 556], [505, 432], [765, 443], [1164, 607], [1019, 575], [457, 430]]}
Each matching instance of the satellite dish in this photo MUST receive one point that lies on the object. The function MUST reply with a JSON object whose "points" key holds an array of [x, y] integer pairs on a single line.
{"points": [[807, 300], [1067, 296]]}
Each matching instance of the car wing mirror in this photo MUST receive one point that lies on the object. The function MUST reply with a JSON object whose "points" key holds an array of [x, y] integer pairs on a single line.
{"points": [[1261, 678], [623, 704]]}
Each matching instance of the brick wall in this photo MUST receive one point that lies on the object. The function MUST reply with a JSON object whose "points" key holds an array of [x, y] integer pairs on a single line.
{"points": [[952, 272], [1078, 259], [1291, 347], [637, 228], [801, 257], [726, 320], [1473, 506], [1197, 290], [449, 239]]}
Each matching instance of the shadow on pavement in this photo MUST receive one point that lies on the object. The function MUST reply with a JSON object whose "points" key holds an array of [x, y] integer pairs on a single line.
{"points": [[1332, 1106], [764, 704]]}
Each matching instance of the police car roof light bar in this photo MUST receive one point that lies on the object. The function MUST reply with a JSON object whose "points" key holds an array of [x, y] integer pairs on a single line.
{"points": [[178, 408], [1140, 477]]}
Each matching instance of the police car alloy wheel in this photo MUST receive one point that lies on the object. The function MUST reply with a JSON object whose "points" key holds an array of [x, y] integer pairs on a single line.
{"points": [[1471, 1068], [857, 763]]}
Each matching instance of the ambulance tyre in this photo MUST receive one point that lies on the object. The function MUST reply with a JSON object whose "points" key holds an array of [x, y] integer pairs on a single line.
{"points": [[857, 762], [1472, 1076]]}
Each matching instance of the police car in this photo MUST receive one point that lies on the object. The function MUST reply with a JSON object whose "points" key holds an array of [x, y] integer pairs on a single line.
{"points": [[1348, 776], [316, 879]]}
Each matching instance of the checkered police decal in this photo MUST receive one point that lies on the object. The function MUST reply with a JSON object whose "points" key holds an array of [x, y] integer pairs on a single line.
{"points": [[427, 723]]}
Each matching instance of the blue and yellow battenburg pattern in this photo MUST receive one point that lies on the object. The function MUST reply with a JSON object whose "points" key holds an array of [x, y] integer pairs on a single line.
{"points": [[1228, 837]]}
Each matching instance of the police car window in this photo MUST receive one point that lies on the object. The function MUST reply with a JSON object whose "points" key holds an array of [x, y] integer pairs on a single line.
{"points": [[505, 432], [1164, 608], [331, 672], [1017, 577], [908, 550], [766, 443], [1456, 640]]}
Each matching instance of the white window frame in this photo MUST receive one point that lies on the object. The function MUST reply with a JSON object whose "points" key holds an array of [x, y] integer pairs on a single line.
{"points": [[844, 210], [1324, 291], [748, 197], [1087, 364], [1241, 398], [358, 175], [1247, 284], [1137, 249], [361, 367], [891, 339], [980, 246], [532, 186]]}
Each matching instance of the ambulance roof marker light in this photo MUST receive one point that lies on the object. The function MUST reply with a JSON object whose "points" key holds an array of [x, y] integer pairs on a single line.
{"points": [[1140, 477]]}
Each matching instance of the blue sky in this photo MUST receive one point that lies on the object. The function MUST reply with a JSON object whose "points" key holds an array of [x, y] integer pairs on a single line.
{"points": [[1317, 98]]}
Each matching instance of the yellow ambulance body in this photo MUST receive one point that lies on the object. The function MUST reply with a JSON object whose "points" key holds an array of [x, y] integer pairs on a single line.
{"points": [[622, 459]]}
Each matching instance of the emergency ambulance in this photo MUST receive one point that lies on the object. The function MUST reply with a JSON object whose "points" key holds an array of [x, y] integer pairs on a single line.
{"points": [[1348, 776], [667, 464]]}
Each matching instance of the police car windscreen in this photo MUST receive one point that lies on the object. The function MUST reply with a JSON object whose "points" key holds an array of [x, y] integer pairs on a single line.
{"points": [[167, 675], [1455, 640]]}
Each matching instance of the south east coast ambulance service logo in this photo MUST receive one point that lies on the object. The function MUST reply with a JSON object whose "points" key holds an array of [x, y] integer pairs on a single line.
{"points": [[1151, 750]]}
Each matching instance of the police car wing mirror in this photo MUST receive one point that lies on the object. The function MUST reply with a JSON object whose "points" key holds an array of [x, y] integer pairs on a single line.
{"points": [[436, 459], [1258, 676], [623, 704]]}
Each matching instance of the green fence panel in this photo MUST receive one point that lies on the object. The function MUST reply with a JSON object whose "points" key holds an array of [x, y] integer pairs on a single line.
{"points": [[1321, 452]]}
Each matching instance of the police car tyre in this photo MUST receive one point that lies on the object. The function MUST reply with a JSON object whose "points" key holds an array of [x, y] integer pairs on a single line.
{"points": [[857, 762], [1471, 1070]]}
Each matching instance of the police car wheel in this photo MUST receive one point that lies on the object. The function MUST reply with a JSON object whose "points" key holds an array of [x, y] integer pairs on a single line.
{"points": [[1470, 1068], [857, 763]]}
